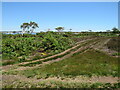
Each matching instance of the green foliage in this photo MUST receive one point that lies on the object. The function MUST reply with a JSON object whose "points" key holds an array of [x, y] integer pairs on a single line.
{"points": [[17, 46], [55, 42], [22, 59], [115, 30], [36, 57], [59, 29], [59, 56], [29, 26], [116, 54]]}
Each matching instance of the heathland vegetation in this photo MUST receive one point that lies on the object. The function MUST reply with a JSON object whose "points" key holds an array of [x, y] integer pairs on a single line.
{"points": [[60, 59]]}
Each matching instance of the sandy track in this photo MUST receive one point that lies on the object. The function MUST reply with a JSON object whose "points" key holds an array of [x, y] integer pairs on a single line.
{"points": [[9, 79]]}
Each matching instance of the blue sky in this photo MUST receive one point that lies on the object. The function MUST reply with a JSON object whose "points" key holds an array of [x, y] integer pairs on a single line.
{"points": [[79, 16]]}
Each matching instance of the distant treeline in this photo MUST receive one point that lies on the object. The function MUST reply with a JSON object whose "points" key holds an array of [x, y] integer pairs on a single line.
{"points": [[66, 34]]}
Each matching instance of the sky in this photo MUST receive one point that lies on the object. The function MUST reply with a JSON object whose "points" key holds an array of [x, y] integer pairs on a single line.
{"points": [[60, 0], [79, 16]]}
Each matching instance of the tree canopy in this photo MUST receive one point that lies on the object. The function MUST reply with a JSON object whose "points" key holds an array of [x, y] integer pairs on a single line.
{"points": [[59, 29], [29, 27], [115, 30]]}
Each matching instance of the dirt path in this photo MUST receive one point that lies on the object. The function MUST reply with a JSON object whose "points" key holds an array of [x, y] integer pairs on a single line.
{"points": [[9, 79]]}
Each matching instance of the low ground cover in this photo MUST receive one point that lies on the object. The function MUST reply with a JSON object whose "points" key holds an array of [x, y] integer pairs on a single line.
{"points": [[114, 44], [60, 84], [89, 63]]}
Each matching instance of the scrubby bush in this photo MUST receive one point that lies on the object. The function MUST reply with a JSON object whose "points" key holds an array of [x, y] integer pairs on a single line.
{"points": [[15, 46]]}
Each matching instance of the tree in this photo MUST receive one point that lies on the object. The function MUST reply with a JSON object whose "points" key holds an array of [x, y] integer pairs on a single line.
{"points": [[90, 30], [24, 26], [70, 29], [14, 31], [29, 26], [33, 26], [108, 31], [115, 30], [59, 29]]}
